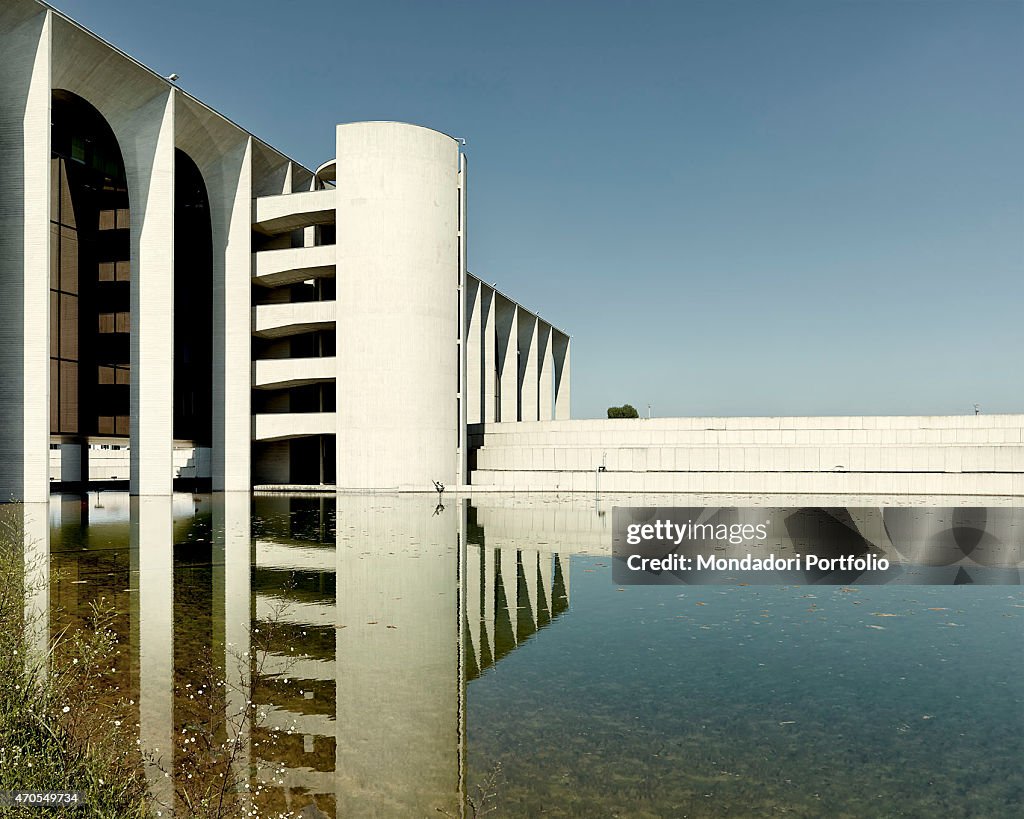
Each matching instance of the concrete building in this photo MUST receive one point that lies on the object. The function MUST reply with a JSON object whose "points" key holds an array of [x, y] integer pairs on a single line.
{"points": [[184, 301]]}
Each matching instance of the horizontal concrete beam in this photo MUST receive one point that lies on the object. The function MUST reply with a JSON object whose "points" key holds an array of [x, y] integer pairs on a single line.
{"points": [[829, 458], [291, 211], [280, 426], [292, 265], [279, 320], [767, 422], [728, 432], [283, 373], [759, 483]]}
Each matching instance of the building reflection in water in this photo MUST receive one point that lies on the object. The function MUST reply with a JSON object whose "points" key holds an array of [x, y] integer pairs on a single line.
{"points": [[354, 622]]}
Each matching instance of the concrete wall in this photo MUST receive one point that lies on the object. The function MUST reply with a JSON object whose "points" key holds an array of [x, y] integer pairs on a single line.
{"points": [[397, 335], [907, 454]]}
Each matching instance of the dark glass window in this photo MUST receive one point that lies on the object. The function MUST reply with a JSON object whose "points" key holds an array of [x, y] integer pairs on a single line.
{"points": [[89, 273], [193, 304]]}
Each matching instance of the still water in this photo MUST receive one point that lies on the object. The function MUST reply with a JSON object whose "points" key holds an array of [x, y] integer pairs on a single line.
{"points": [[408, 660]]}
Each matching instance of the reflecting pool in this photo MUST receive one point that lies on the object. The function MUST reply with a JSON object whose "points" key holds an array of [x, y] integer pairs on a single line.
{"points": [[409, 659]]}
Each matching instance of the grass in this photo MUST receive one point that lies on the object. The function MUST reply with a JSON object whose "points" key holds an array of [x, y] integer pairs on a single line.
{"points": [[54, 733]]}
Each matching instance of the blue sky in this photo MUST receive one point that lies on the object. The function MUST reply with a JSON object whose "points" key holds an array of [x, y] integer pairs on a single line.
{"points": [[806, 207]]}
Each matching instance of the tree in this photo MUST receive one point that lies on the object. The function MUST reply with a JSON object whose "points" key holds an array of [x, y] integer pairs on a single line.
{"points": [[625, 411]]}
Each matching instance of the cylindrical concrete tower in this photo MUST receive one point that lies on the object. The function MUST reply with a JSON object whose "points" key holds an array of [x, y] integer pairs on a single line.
{"points": [[397, 306]]}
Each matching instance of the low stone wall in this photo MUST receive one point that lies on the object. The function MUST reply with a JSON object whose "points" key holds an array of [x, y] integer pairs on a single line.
{"points": [[944, 455]]}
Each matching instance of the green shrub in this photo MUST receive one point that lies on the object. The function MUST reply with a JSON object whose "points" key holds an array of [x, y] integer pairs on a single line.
{"points": [[625, 411]]}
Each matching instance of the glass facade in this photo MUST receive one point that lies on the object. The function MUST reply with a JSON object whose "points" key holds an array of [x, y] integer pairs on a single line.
{"points": [[193, 305], [90, 319], [90, 284]]}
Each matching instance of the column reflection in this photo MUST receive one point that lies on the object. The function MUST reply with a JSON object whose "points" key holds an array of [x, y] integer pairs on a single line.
{"points": [[398, 721], [151, 547]]}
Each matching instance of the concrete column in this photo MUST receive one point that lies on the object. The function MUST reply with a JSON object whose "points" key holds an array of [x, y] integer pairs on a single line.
{"points": [[24, 251], [151, 539], [152, 298], [546, 369], [527, 366], [488, 354], [397, 250], [232, 333], [474, 395], [232, 328], [507, 340], [560, 348], [399, 727]]}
